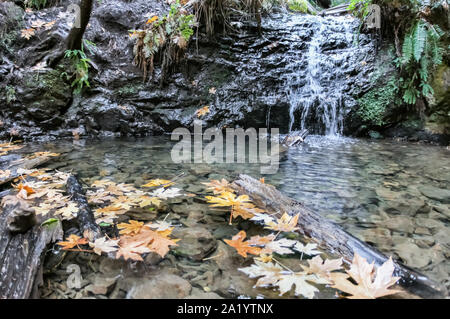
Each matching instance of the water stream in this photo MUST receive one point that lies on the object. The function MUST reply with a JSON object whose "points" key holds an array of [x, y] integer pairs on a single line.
{"points": [[383, 192], [315, 92]]}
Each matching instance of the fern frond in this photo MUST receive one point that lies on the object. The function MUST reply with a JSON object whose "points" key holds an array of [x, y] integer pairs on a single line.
{"points": [[407, 49], [419, 40]]}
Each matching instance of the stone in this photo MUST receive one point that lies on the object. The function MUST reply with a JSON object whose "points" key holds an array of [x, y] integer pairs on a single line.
{"points": [[443, 236], [439, 194], [378, 236], [422, 231], [400, 224], [429, 223], [413, 256], [195, 242], [164, 286], [101, 285]]}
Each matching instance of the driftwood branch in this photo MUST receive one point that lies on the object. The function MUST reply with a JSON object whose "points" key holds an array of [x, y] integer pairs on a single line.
{"points": [[331, 237], [85, 217]]}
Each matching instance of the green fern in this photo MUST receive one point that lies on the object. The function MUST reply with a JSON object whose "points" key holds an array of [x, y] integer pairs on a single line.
{"points": [[422, 52], [419, 40]]}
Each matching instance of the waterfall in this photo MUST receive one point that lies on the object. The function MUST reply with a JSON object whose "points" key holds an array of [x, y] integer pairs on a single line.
{"points": [[315, 91]]}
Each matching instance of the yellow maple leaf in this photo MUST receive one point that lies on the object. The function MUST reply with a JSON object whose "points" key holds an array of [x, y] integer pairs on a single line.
{"points": [[285, 224], [159, 182], [227, 199], [219, 186], [202, 111], [133, 227], [148, 201]]}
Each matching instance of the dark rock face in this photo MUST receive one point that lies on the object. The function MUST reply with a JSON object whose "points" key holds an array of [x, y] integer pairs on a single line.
{"points": [[251, 75]]}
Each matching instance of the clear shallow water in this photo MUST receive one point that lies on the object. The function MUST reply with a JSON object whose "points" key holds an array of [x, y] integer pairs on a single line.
{"points": [[377, 190]]}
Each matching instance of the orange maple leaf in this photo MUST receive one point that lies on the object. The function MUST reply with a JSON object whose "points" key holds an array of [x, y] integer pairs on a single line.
{"points": [[242, 247], [72, 241]]}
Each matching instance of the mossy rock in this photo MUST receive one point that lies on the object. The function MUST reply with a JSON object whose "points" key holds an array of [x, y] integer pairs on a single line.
{"points": [[44, 95]]}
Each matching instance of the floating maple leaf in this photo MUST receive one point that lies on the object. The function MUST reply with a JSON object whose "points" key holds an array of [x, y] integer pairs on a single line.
{"points": [[285, 224], [261, 240], [269, 272], [322, 268], [111, 209], [147, 201], [160, 244], [299, 280], [133, 227], [166, 193], [68, 212], [245, 211], [104, 245], [212, 90], [160, 226], [369, 285], [202, 111], [132, 249], [219, 186], [159, 182], [241, 246], [309, 249], [264, 258], [72, 241], [227, 199], [281, 247]]}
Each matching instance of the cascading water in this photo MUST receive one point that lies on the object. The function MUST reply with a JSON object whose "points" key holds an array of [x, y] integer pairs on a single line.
{"points": [[316, 91]]}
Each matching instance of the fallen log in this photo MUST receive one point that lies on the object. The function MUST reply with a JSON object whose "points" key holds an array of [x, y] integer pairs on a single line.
{"points": [[22, 253], [85, 217], [331, 237], [17, 163]]}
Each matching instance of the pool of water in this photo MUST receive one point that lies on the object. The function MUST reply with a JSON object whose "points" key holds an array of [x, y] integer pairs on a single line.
{"points": [[393, 195]]}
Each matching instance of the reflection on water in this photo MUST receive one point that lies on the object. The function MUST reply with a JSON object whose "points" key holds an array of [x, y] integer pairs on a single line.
{"points": [[392, 195]]}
